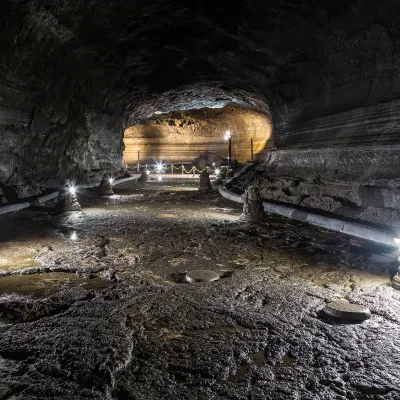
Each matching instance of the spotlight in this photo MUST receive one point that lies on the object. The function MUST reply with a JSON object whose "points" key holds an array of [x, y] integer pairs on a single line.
{"points": [[147, 171], [111, 180], [160, 167], [160, 178], [72, 190], [74, 236], [228, 135], [217, 171]]}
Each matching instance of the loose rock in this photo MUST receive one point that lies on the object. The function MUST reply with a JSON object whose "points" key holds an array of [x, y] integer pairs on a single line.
{"points": [[347, 312]]}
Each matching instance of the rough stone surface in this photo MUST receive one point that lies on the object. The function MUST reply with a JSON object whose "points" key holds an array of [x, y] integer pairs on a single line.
{"points": [[105, 186], [355, 183], [253, 210], [67, 200], [209, 159], [180, 136], [205, 183], [255, 335]]}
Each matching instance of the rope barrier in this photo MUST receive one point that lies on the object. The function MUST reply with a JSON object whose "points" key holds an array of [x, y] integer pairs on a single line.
{"points": [[172, 167]]}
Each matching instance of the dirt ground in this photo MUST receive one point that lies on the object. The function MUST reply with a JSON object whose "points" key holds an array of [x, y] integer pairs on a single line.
{"points": [[94, 304]]}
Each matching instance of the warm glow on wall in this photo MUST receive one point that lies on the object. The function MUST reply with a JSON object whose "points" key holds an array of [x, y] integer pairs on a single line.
{"points": [[181, 136]]}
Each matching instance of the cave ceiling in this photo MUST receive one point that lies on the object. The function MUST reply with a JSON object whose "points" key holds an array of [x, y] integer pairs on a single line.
{"points": [[162, 55]]}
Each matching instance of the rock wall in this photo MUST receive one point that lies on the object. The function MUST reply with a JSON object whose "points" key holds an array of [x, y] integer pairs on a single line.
{"points": [[345, 163], [182, 136], [336, 126], [53, 123]]}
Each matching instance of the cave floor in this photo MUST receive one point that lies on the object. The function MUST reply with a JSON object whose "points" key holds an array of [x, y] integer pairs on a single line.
{"points": [[102, 310]]}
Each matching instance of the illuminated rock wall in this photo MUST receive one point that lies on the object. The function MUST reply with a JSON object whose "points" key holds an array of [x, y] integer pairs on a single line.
{"points": [[181, 136]]}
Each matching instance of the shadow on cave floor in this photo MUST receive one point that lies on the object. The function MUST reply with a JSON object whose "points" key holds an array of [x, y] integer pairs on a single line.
{"points": [[254, 334], [10, 193]]}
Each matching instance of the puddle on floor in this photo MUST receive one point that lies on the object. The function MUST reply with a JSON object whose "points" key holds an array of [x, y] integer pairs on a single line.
{"points": [[19, 262], [286, 361], [166, 215], [223, 209], [41, 285]]}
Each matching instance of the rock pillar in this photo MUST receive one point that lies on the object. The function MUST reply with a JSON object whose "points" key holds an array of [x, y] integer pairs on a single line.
{"points": [[106, 185], [67, 200], [253, 210], [205, 183]]}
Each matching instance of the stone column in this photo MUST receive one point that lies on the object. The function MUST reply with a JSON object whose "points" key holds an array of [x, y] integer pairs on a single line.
{"points": [[105, 186], [253, 210], [144, 177], [67, 200], [205, 183]]}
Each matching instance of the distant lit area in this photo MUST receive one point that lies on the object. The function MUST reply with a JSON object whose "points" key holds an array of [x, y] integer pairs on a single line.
{"points": [[180, 136]]}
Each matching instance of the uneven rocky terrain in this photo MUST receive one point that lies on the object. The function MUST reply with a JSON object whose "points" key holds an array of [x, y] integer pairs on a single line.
{"points": [[111, 317]]}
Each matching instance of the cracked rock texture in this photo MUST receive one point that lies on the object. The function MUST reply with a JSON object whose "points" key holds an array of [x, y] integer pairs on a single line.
{"points": [[254, 334]]}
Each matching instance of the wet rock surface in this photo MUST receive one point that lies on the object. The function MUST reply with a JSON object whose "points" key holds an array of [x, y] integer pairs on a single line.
{"points": [[255, 333]]}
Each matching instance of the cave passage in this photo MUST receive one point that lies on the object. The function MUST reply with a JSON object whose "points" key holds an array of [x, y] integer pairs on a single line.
{"points": [[180, 136], [106, 286], [123, 282]]}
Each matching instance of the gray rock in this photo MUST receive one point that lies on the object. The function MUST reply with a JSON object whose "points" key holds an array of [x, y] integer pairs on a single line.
{"points": [[347, 312], [105, 186], [396, 282], [67, 200], [205, 183], [253, 210]]}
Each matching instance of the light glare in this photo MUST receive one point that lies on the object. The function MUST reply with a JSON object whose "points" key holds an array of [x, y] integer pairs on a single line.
{"points": [[74, 236], [228, 135], [72, 190], [160, 167]]}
